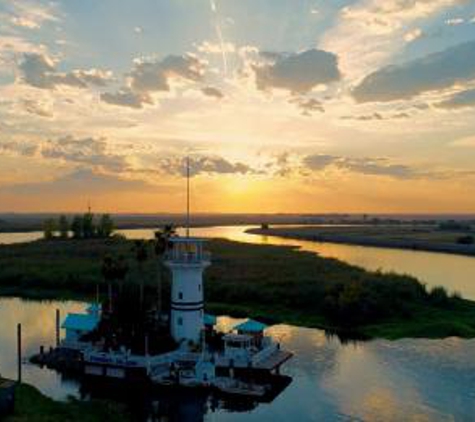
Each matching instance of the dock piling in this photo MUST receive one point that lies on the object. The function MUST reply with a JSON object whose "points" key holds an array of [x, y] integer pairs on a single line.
{"points": [[19, 354]]}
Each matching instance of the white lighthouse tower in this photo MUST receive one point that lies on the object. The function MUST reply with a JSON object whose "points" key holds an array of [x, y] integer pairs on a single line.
{"points": [[187, 260]]}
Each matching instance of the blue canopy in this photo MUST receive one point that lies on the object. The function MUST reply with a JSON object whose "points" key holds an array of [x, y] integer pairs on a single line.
{"points": [[251, 326], [209, 319], [80, 322]]}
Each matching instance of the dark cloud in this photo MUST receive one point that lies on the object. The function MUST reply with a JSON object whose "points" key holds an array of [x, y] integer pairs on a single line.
{"points": [[318, 162], [202, 165], [149, 76], [39, 71], [308, 105], [377, 116], [368, 166], [298, 73], [85, 151], [460, 100], [18, 148], [127, 98], [210, 91], [433, 72]]}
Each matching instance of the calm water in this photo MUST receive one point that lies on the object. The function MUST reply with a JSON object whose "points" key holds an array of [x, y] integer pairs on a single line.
{"points": [[420, 380], [457, 273]]}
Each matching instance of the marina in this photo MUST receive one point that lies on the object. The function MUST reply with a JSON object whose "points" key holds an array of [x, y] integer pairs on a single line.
{"points": [[243, 361]]}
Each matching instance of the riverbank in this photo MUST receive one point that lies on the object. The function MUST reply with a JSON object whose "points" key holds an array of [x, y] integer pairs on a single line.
{"points": [[423, 238], [274, 283], [32, 405]]}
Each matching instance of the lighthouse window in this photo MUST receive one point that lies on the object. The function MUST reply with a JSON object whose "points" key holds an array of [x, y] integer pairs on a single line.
{"points": [[180, 295], [199, 287], [180, 321]]}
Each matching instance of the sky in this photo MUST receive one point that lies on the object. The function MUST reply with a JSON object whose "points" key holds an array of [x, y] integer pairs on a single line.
{"points": [[290, 106]]}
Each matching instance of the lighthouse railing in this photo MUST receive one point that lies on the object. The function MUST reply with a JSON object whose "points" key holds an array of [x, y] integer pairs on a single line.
{"points": [[183, 257]]}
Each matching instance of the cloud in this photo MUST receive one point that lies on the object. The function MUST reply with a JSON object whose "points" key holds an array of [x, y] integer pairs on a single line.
{"points": [[298, 73], [38, 108], [377, 116], [369, 32], [413, 35], [127, 98], [148, 76], [39, 70], [31, 14], [85, 151], [433, 72], [202, 164], [368, 166], [317, 162], [460, 100], [79, 182], [308, 105], [210, 91], [18, 148]]}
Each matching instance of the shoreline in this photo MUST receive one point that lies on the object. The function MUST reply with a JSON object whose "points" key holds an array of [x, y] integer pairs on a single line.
{"points": [[418, 246]]}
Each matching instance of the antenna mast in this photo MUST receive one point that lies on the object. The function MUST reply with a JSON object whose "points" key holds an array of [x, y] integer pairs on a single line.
{"points": [[187, 196]]}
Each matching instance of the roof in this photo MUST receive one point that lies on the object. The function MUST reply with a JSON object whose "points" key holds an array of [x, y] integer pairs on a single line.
{"points": [[237, 337], [209, 319], [80, 322], [251, 326], [184, 239]]}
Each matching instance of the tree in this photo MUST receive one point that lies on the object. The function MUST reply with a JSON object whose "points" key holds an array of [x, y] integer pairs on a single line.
{"points": [[63, 225], [141, 255], [106, 226], [49, 228], [88, 228], [77, 227], [162, 241]]}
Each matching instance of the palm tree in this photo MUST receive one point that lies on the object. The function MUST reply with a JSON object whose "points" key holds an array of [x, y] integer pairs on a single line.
{"points": [[162, 241], [141, 255], [108, 273]]}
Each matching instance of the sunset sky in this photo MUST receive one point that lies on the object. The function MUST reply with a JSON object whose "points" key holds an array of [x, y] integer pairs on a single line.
{"points": [[282, 105]]}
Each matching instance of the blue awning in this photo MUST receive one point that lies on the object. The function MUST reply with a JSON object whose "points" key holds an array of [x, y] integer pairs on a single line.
{"points": [[80, 322], [251, 326], [209, 319]]}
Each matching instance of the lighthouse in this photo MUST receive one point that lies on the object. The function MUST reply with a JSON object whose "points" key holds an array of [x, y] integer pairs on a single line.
{"points": [[187, 260]]}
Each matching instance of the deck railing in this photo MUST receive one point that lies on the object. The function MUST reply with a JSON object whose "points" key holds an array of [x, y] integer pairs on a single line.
{"points": [[180, 257]]}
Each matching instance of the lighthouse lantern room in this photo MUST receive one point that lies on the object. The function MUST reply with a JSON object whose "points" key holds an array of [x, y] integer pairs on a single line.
{"points": [[187, 260]]}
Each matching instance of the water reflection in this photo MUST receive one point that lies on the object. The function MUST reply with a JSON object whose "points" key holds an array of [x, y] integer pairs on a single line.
{"points": [[380, 380]]}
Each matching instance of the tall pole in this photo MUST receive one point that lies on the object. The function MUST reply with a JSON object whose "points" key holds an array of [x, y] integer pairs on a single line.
{"points": [[187, 196], [19, 351], [58, 318]]}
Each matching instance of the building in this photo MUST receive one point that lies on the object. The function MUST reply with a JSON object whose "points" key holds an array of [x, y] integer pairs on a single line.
{"points": [[76, 325], [187, 260]]}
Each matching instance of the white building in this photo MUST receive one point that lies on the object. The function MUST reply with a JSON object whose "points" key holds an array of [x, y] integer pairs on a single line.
{"points": [[187, 261]]}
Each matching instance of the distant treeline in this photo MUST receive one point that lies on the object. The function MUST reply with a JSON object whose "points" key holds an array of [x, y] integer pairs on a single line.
{"points": [[85, 226]]}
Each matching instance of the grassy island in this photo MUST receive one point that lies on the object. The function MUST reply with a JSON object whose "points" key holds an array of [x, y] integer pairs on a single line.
{"points": [[31, 405], [275, 283]]}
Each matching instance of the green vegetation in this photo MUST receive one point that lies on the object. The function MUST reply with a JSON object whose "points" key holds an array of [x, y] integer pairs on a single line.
{"points": [[272, 282], [31, 405]]}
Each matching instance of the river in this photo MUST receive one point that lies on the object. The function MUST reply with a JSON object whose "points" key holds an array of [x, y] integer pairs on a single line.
{"points": [[423, 380], [455, 272]]}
